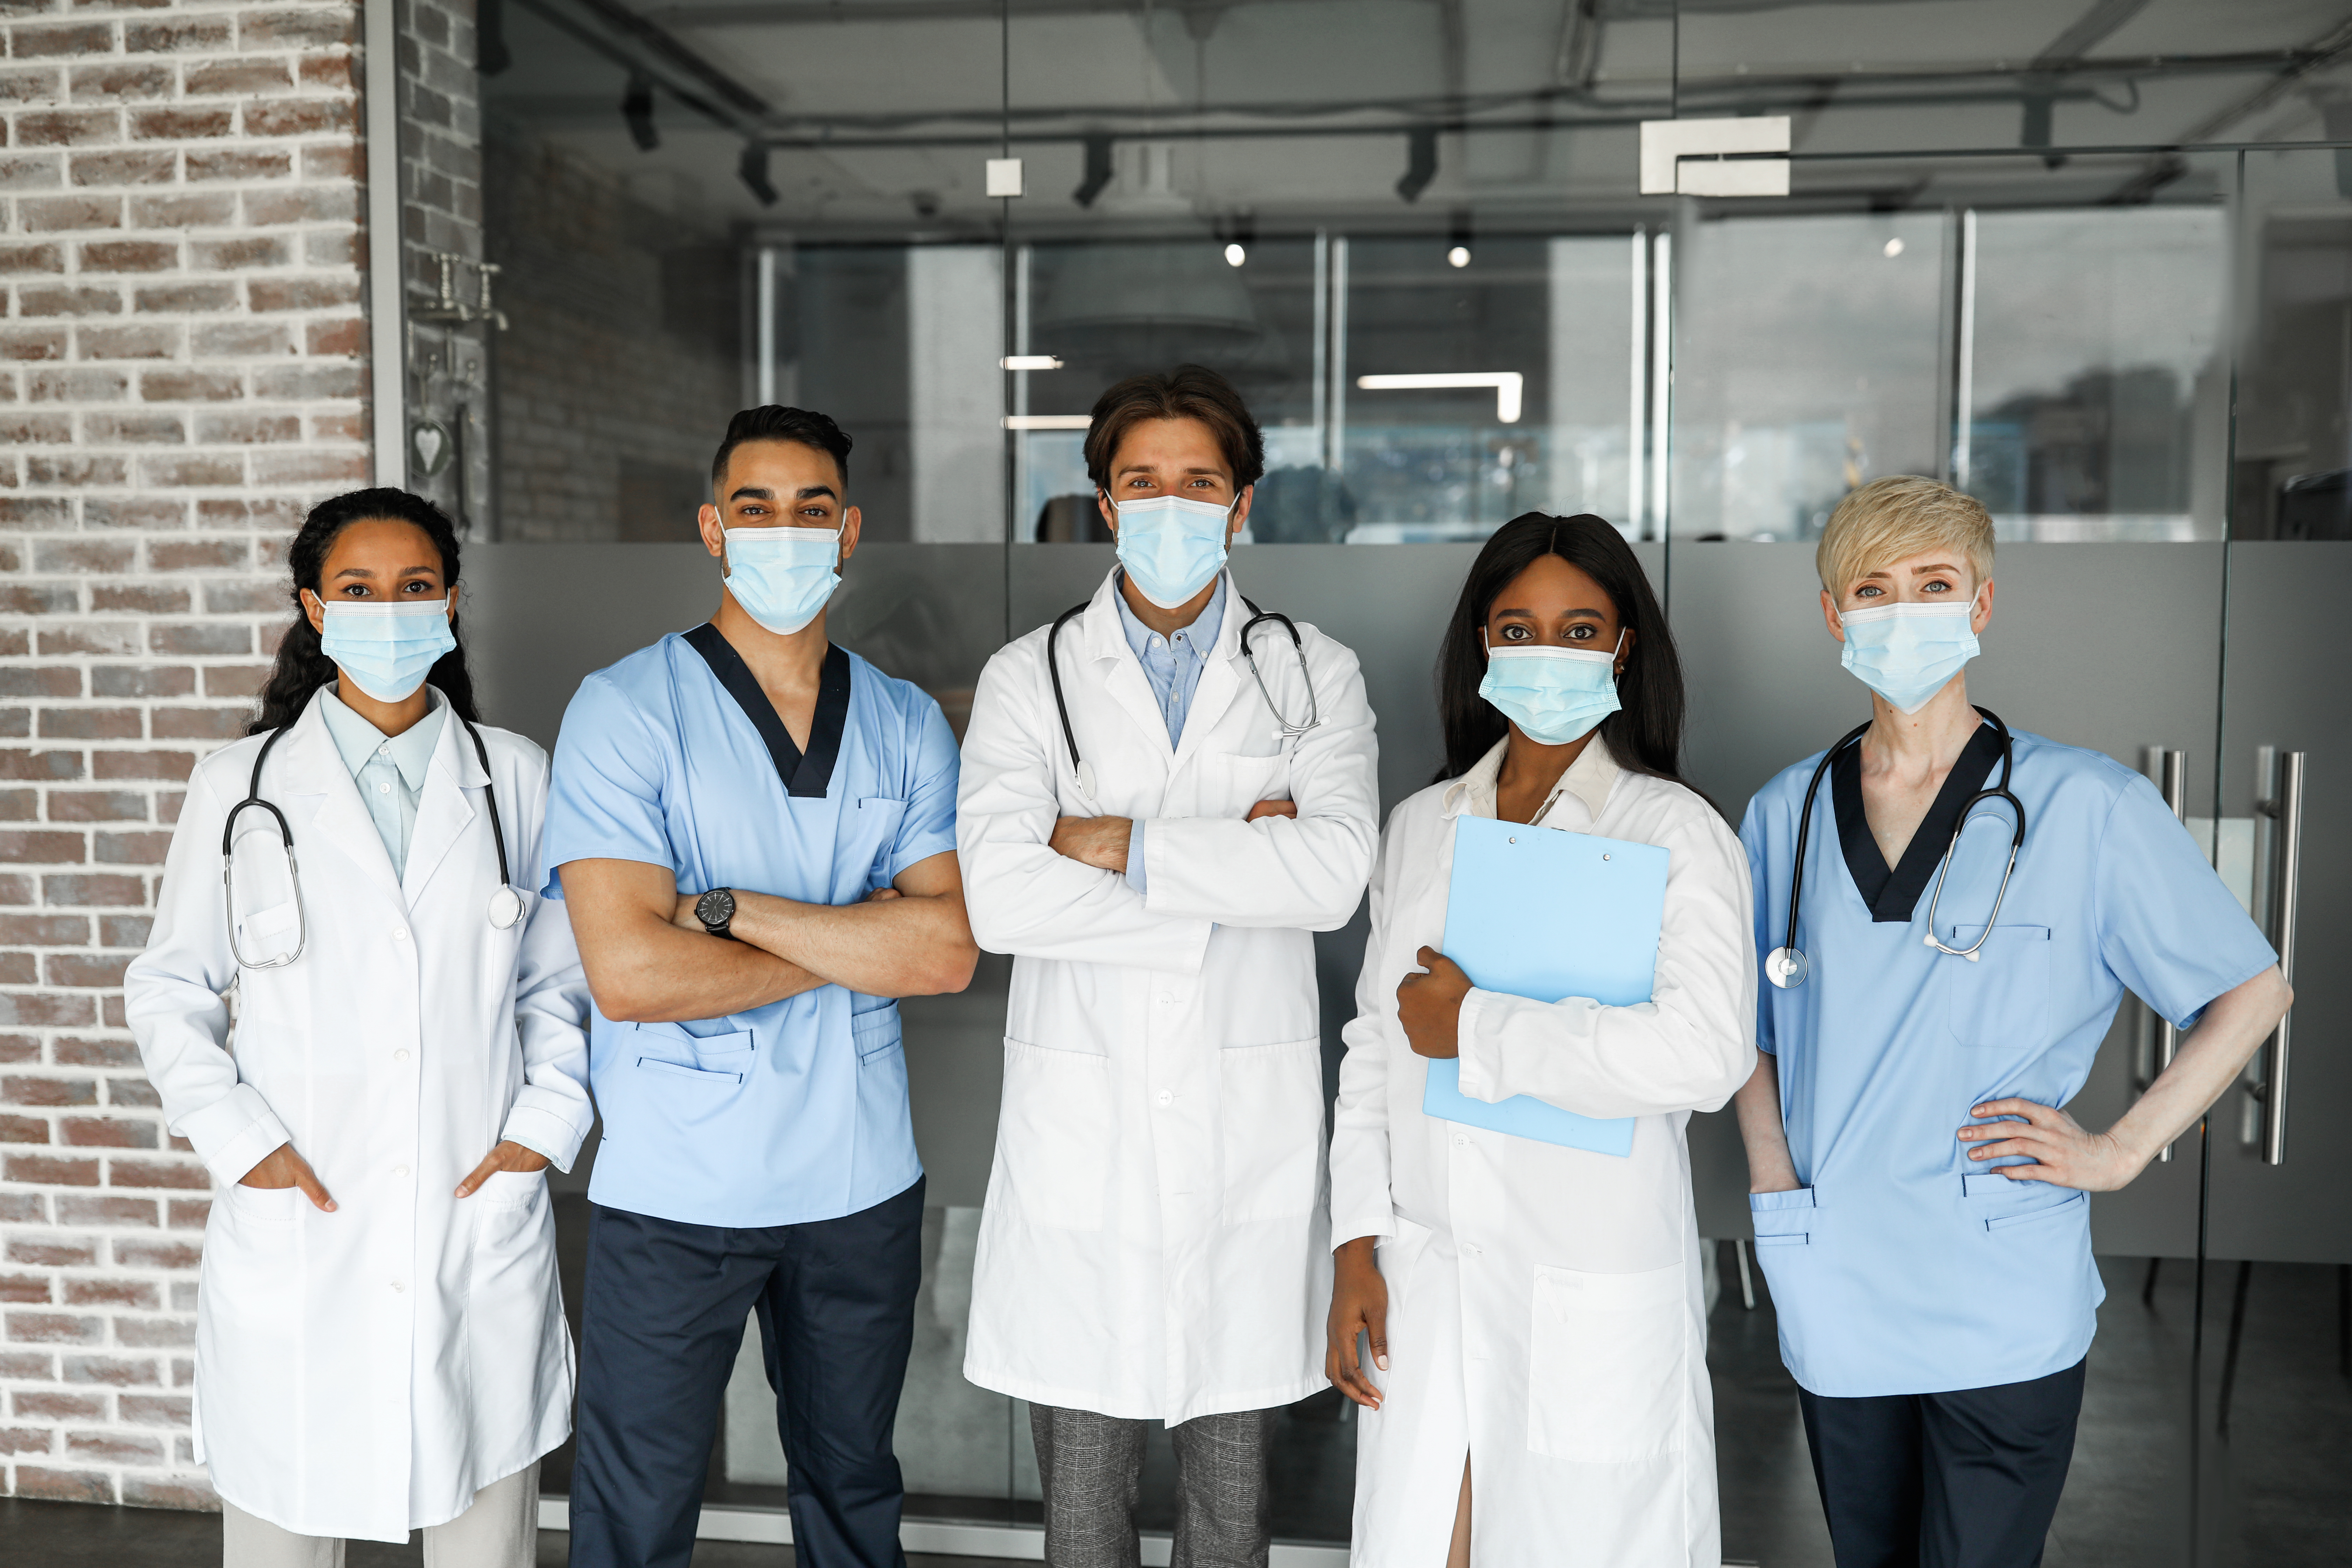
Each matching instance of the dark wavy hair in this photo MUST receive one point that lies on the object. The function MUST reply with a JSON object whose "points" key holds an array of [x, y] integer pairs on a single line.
{"points": [[302, 667], [1646, 734]]}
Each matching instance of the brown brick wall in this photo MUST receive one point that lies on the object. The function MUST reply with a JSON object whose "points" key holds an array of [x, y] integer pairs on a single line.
{"points": [[182, 372]]}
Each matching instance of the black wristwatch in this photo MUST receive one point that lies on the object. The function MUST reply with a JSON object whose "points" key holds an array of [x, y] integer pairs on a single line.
{"points": [[716, 910]]}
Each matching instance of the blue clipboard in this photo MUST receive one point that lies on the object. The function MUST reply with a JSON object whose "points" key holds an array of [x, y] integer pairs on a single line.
{"points": [[1593, 933]]}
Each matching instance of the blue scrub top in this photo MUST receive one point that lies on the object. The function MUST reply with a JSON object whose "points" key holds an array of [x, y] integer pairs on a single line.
{"points": [[795, 1111], [1901, 1266]]}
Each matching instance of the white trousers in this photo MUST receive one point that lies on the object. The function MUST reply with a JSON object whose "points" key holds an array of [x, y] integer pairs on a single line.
{"points": [[499, 1530]]}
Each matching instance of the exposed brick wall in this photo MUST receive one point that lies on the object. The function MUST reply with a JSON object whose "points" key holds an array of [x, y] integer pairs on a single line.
{"points": [[181, 373], [625, 362], [441, 211]]}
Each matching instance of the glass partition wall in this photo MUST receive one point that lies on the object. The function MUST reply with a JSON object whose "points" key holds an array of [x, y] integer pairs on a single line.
{"points": [[2030, 254]]}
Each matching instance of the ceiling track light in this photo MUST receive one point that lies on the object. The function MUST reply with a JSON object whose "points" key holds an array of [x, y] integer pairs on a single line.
{"points": [[1421, 162], [1098, 171], [638, 110], [753, 169]]}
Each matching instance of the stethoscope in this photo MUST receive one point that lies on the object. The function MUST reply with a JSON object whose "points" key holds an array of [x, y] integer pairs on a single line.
{"points": [[1787, 967], [1290, 732], [506, 904]]}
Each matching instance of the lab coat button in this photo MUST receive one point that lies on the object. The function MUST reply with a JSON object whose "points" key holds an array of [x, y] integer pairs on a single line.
{"points": [[400, 934], [400, 1056], [400, 1285], [1167, 1097], [1460, 1141], [400, 1169]]}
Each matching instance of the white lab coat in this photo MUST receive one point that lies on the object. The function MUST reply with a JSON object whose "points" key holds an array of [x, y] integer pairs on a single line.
{"points": [[363, 1373], [1544, 1302], [1153, 1241]]}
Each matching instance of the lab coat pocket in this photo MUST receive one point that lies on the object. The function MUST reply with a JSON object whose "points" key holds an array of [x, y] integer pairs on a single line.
{"points": [[2002, 1000], [265, 1206], [1243, 780], [267, 934], [514, 1318], [1270, 1101], [1057, 1135], [1608, 1369], [1782, 1219], [507, 1207]]}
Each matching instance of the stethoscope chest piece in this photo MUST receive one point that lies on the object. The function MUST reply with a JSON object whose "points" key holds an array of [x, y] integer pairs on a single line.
{"points": [[1086, 781], [506, 908], [1786, 967]]}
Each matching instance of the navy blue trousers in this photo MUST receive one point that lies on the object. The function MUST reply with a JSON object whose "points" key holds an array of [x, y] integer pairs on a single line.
{"points": [[1965, 1480], [661, 1320]]}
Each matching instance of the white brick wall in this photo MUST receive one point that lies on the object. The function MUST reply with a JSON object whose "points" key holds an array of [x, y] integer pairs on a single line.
{"points": [[181, 375]]}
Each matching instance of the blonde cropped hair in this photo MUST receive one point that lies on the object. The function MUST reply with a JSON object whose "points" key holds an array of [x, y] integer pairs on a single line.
{"points": [[1896, 518]]}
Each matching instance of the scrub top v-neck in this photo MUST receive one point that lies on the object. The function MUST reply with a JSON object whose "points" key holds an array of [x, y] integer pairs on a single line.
{"points": [[796, 1111], [1892, 893], [1901, 1266]]}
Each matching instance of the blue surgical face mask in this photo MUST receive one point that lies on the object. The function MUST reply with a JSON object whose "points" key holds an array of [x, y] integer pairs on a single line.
{"points": [[387, 647], [782, 576], [1554, 695], [1906, 652], [1172, 546]]}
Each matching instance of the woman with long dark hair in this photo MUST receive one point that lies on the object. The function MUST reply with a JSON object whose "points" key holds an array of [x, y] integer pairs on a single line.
{"points": [[380, 1344], [1532, 1308]]}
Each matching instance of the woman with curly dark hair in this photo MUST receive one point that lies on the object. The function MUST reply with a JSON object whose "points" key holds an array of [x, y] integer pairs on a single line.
{"points": [[379, 1344]]}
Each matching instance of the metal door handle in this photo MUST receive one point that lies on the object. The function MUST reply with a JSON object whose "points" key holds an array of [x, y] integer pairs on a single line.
{"points": [[2284, 808], [2170, 768]]}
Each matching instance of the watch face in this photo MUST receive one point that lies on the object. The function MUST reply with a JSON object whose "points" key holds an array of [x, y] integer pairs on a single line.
{"points": [[715, 908]]}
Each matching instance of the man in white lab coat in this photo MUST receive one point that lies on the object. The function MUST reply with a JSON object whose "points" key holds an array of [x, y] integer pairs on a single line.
{"points": [[1153, 829]]}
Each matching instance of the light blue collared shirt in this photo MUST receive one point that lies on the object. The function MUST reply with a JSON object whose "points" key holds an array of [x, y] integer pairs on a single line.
{"points": [[1172, 664], [389, 769]]}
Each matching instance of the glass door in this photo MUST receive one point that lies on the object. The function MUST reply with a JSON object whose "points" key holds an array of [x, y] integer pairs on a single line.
{"points": [[1993, 320], [2278, 1284]]}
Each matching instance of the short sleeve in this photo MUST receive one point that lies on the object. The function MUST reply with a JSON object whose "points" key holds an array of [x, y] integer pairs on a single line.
{"points": [[605, 794], [927, 826], [2169, 928]]}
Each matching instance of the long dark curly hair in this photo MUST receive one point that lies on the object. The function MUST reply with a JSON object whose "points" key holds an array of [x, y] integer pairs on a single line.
{"points": [[302, 667], [1646, 734]]}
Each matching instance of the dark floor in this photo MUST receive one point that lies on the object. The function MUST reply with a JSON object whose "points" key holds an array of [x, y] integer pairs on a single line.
{"points": [[76, 1535], [2275, 1493]]}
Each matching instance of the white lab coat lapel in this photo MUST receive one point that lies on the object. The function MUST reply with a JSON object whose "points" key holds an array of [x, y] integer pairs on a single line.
{"points": [[1113, 664], [338, 820], [443, 811]]}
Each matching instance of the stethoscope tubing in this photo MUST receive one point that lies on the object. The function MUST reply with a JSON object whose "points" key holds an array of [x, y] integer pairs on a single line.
{"points": [[1289, 731], [506, 901], [1787, 967]]}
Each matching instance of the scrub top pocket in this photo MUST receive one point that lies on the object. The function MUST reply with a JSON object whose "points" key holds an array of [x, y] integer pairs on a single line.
{"points": [[2000, 1001], [1782, 1219]]}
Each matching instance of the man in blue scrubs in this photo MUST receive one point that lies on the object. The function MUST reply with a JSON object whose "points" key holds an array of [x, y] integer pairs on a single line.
{"points": [[754, 832], [1920, 1199]]}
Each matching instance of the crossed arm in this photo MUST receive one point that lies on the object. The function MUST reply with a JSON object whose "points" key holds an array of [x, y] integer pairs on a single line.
{"points": [[2063, 1152], [649, 960]]}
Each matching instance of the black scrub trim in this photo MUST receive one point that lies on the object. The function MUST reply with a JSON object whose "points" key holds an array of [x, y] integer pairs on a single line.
{"points": [[805, 776], [1892, 895]]}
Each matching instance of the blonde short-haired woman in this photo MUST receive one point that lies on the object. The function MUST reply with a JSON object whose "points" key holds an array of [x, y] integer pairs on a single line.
{"points": [[1975, 900]]}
